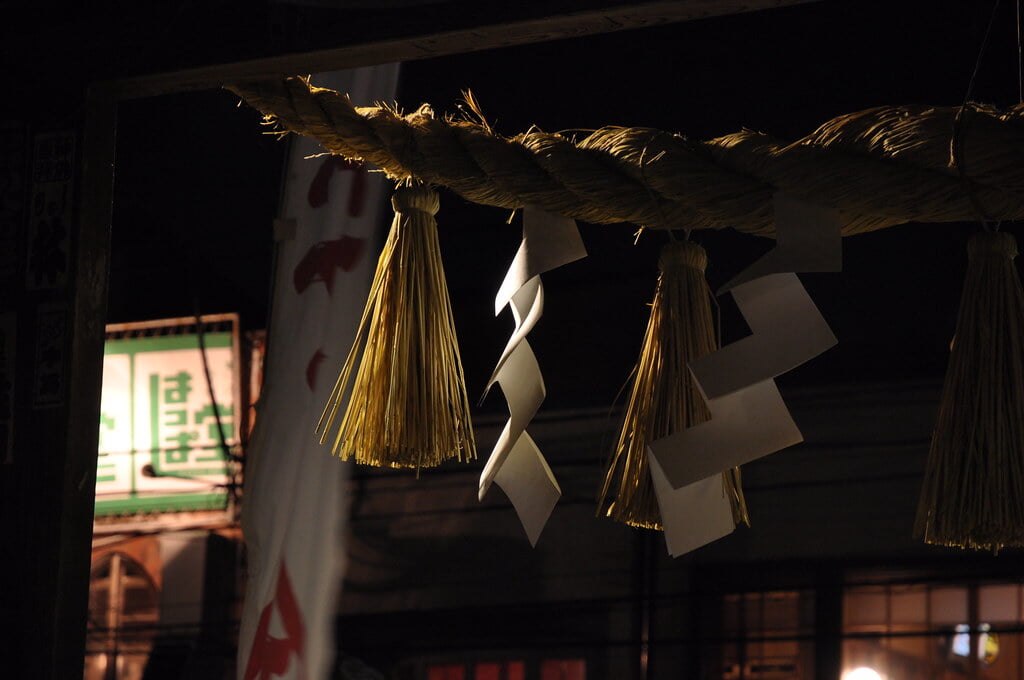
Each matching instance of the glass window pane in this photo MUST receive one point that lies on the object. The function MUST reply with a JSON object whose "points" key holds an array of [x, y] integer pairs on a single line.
{"points": [[912, 657], [1002, 656], [949, 606], [487, 671], [563, 669], [807, 613], [781, 613], [865, 607], [446, 672], [731, 614], [752, 611], [516, 670], [998, 604], [767, 644], [916, 646], [909, 606]]}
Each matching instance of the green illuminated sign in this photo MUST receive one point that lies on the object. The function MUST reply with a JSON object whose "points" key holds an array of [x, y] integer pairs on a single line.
{"points": [[160, 448]]}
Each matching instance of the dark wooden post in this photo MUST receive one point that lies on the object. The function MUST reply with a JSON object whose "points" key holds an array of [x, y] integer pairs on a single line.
{"points": [[828, 624], [55, 305]]}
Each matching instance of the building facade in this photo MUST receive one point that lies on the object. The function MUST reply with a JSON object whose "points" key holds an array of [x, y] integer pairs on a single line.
{"points": [[166, 574], [827, 583]]}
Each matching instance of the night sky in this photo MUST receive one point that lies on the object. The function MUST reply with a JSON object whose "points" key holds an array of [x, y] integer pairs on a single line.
{"points": [[198, 184]]}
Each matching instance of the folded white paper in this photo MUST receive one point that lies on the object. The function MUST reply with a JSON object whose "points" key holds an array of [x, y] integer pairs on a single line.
{"points": [[749, 418], [744, 425], [700, 512], [808, 238], [787, 330], [516, 463], [527, 306], [549, 241], [523, 386], [529, 484]]}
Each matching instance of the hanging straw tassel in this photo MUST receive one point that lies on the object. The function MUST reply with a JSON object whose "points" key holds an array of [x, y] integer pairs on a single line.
{"points": [[973, 490], [664, 397], [408, 406]]}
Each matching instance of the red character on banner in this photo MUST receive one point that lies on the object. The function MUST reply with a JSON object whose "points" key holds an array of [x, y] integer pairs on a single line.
{"points": [[325, 258], [318, 189], [270, 657], [313, 367]]}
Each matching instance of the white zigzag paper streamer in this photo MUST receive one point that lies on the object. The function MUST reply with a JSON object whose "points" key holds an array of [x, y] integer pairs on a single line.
{"points": [[516, 464], [749, 418]]}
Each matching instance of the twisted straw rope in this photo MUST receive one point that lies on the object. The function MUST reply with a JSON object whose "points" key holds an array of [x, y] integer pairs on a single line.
{"points": [[880, 167]]}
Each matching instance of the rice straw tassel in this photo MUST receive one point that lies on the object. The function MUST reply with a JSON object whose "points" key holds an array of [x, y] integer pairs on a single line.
{"points": [[664, 397], [408, 406], [973, 490]]}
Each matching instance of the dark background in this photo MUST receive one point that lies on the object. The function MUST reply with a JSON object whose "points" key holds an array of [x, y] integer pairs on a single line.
{"points": [[197, 187], [197, 183]]}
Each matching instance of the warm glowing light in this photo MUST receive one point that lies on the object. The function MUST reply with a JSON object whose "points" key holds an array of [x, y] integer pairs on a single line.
{"points": [[862, 673]]}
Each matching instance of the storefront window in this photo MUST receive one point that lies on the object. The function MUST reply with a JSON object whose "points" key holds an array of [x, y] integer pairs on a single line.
{"points": [[933, 631], [928, 628], [448, 671], [563, 669], [768, 636], [123, 612], [516, 669]]}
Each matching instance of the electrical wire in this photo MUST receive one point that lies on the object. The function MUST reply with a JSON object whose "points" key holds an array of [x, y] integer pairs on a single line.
{"points": [[232, 485], [956, 139], [1020, 57]]}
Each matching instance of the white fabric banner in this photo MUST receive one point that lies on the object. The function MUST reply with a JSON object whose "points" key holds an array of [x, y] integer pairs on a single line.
{"points": [[294, 501]]}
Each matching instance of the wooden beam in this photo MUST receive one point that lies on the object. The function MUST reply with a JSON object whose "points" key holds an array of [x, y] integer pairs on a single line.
{"points": [[575, 24]]}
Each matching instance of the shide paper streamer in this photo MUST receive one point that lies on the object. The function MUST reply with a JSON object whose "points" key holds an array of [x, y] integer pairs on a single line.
{"points": [[749, 419], [516, 464]]}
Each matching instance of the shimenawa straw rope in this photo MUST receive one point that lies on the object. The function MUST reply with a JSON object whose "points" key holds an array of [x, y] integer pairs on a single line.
{"points": [[881, 167]]}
